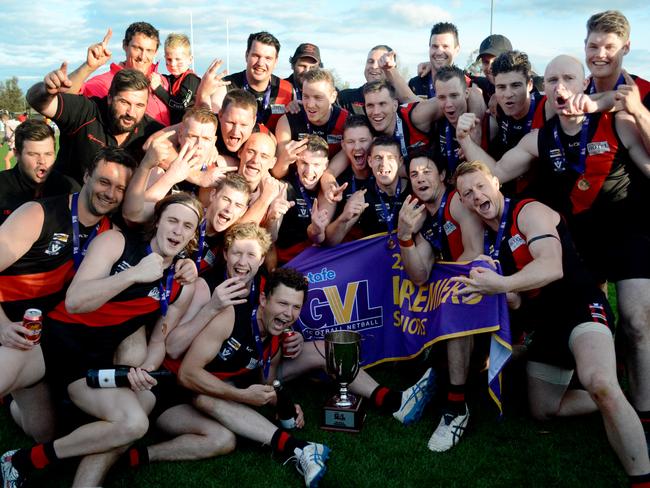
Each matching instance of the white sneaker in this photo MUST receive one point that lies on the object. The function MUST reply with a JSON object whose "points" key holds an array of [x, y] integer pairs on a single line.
{"points": [[311, 462], [449, 431], [416, 398], [10, 475]]}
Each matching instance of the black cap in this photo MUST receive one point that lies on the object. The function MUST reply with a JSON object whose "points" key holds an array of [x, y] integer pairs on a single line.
{"points": [[495, 45], [306, 50]]}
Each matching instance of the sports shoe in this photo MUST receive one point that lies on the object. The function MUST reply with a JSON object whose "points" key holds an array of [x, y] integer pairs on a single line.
{"points": [[311, 462], [415, 398], [449, 431], [10, 475]]}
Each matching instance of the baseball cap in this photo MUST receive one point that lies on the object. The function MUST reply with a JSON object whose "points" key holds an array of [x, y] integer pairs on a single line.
{"points": [[495, 45], [306, 50]]}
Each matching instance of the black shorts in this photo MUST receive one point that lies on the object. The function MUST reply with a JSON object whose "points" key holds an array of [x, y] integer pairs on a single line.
{"points": [[615, 244], [550, 319], [169, 394]]}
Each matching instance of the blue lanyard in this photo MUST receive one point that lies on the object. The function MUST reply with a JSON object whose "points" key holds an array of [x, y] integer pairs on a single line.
{"points": [[452, 157], [496, 249], [592, 85], [432, 90], [440, 217], [78, 252], [266, 100], [580, 167], [199, 249], [399, 134], [259, 344], [303, 192], [166, 290], [528, 124], [384, 208]]}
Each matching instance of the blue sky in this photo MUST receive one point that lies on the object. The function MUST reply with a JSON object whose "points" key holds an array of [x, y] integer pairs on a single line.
{"points": [[37, 36]]}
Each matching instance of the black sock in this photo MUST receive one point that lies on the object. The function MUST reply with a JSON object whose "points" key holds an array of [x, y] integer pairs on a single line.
{"points": [[137, 456], [284, 443], [386, 400], [456, 399], [640, 481], [37, 457]]}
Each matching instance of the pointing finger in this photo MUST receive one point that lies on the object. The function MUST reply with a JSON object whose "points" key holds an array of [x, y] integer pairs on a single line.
{"points": [[107, 37]]}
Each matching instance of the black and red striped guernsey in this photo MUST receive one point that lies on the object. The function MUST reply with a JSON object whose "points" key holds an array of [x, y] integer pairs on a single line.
{"points": [[74, 343], [331, 132], [40, 277], [444, 234]]}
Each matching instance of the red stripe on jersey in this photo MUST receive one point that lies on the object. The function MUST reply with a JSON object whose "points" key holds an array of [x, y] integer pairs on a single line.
{"points": [[35, 285]]}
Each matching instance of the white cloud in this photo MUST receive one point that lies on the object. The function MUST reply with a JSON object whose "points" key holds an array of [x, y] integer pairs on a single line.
{"points": [[420, 15]]}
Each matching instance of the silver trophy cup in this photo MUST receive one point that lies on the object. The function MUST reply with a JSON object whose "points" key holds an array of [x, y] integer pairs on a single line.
{"points": [[342, 353]]}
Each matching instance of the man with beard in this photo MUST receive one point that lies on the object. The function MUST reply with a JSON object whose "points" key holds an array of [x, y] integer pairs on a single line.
{"points": [[87, 125], [352, 99], [32, 177], [306, 58], [140, 44]]}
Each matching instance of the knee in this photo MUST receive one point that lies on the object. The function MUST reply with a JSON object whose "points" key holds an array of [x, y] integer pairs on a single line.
{"points": [[636, 323], [542, 412], [131, 427], [221, 442], [603, 389]]}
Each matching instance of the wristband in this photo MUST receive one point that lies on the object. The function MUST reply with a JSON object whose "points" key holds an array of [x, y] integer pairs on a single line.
{"points": [[407, 243]]}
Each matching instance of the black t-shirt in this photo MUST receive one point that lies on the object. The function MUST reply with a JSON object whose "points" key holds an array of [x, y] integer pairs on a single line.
{"points": [[85, 125], [295, 222], [180, 95], [16, 189], [382, 212]]}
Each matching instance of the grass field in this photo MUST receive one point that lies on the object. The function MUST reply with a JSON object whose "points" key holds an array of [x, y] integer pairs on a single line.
{"points": [[511, 451], [508, 452]]}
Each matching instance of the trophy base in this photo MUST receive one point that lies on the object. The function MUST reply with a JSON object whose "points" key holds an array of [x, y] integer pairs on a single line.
{"points": [[343, 419]]}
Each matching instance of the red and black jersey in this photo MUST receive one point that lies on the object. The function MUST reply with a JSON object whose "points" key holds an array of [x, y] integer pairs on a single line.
{"points": [[40, 277], [642, 84], [410, 138], [180, 94], [238, 355], [73, 343], [446, 147], [224, 151], [443, 232], [514, 255], [268, 113], [212, 254], [607, 167], [352, 100], [511, 130], [332, 131]]}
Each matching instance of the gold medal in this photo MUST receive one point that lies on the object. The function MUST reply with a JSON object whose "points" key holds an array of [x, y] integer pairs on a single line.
{"points": [[164, 329], [391, 244], [583, 184]]}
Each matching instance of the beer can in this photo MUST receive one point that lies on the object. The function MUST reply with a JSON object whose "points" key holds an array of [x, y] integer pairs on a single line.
{"points": [[286, 333], [33, 320]]}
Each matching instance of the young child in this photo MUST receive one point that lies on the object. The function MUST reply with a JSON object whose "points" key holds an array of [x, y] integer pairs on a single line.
{"points": [[183, 82]]}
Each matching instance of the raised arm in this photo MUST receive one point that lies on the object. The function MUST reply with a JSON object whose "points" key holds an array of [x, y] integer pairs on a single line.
{"points": [[417, 254], [43, 96], [513, 164], [212, 88], [97, 56], [93, 285], [388, 63]]}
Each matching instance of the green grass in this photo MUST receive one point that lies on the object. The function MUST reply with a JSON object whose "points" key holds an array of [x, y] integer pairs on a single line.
{"points": [[4, 148], [513, 451]]}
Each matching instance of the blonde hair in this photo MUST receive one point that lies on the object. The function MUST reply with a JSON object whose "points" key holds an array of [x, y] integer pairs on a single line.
{"points": [[318, 74], [187, 200], [248, 230], [471, 167], [176, 39], [609, 22]]}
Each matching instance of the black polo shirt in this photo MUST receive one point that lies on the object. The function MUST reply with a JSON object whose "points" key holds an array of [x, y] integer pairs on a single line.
{"points": [[16, 189], [85, 125]]}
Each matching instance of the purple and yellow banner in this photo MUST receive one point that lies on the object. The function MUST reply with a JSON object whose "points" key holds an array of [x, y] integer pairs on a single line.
{"points": [[362, 286]]}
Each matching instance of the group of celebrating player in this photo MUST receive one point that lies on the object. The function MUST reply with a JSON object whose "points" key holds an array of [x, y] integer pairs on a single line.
{"points": [[155, 237]]}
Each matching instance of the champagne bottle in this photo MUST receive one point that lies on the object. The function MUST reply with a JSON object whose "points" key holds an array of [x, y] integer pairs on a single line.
{"points": [[286, 409], [117, 377]]}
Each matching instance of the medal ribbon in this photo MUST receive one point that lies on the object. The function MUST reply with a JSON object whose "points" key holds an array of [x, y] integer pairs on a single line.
{"points": [[580, 167], [266, 100], [166, 290], [78, 252], [259, 344], [497, 242]]}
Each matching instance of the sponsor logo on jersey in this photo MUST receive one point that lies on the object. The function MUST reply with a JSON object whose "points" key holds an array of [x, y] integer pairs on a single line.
{"points": [[56, 244]]}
